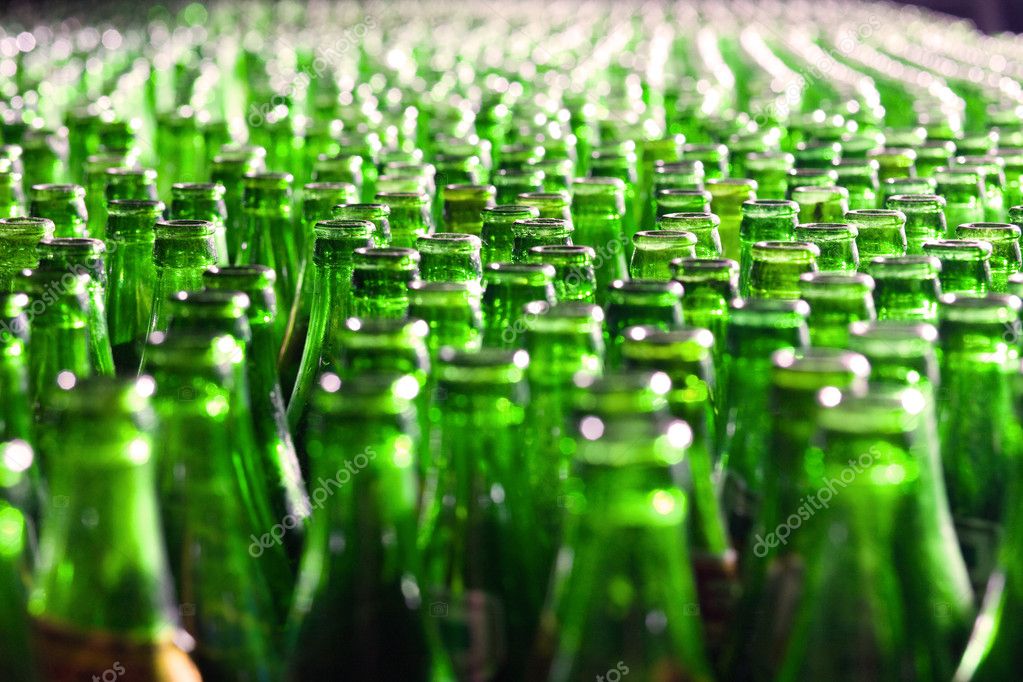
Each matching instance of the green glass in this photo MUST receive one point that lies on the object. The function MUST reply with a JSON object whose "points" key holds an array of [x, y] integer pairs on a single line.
{"points": [[182, 251], [103, 494], [912, 186], [1013, 158], [714, 158], [450, 257], [932, 155], [980, 438], [463, 207], [558, 174], [202, 201], [562, 340], [119, 135], [19, 239], [705, 226], [383, 345], [510, 183], [1004, 238], [498, 239], [925, 218], [639, 302], [777, 266], [880, 232], [796, 379], [180, 147], [963, 192], [965, 264], [539, 232], [64, 205], [836, 300], [756, 329], [860, 178], [654, 250], [409, 218], [131, 278], [906, 288], [763, 220], [287, 494], [575, 278], [619, 161], [339, 168], [770, 171], [681, 201], [130, 183], [894, 162], [1016, 216], [41, 155], [626, 515], [728, 201], [810, 177], [452, 310], [380, 278], [353, 595], [229, 168], [83, 256], [482, 569], [18, 508], [992, 180], [268, 230], [821, 204], [552, 205], [231, 613], [709, 285], [836, 243], [378, 214], [507, 288], [686, 357], [598, 210], [12, 198], [817, 154], [319, 200]]}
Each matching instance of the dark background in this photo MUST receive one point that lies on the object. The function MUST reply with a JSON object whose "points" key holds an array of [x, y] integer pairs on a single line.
{"points": [[989, 15]]}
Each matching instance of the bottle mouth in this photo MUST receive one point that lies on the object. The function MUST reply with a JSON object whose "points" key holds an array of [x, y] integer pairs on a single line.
{"points": [[105, 398], [387, 258], [695, 220], [198, 190], [645, 292], [484, 367], [563, 254], [377, 393], [958, 249], [462, 192], [509, 213], [246, 277], [812, 369], [64, 247], [788, 252], [38, 228], [183, 229], [564, 316], [819, 195], [989, 232], [823, 285], [664, 239], [343, 228], [600, 185], [769, 208], [134, 207], [881, 409], [55, 192], [403, 198], [653, 343], [522, 274], [988, 308], [148, 175], [894, 339], [703, 269], [622, 393], [903, 267], [361, 211], [768, 312], [323, 191], [917, 203], [826, 232], [448, 242]]}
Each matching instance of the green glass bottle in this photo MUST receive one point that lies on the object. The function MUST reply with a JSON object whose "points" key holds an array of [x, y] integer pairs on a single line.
{"points": [[229, 168], [268, 230], [810, 177], [980, 438], [182, 251], [18, 508], [763, 220], [83, 256], [894, 162], [704, 225], [509, 183], [880, 232], [992, 179], [965, 264], [463, 207], [452, 311], [933, 154], [358, 603], [682, 201], [19, 239], [925, 218], [410, 216], [821, 204], [450, 257], [654, 250], [836, 300], [1013, 157], [562, 340], [95, 182], [313, 331], [552, 205], [686, 357], [102, 494], [859, 178], [817, 154], [777, 266], [180, 147], [626, 514], [229, 594], [639, 302], [507, 288], [378, 214], [963, 192], [906, 288], [12, 197], [598, 210], [575, 277], [619, 161], [836, 243], [728, 200], [756, 328], [912, 186], [287, 495], [482, 568], [709, 286], [64, 205], [539, 232], [380, 280], [1004, 238], [202, 201], [130, 183], [770, 171], [496, 235]]}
